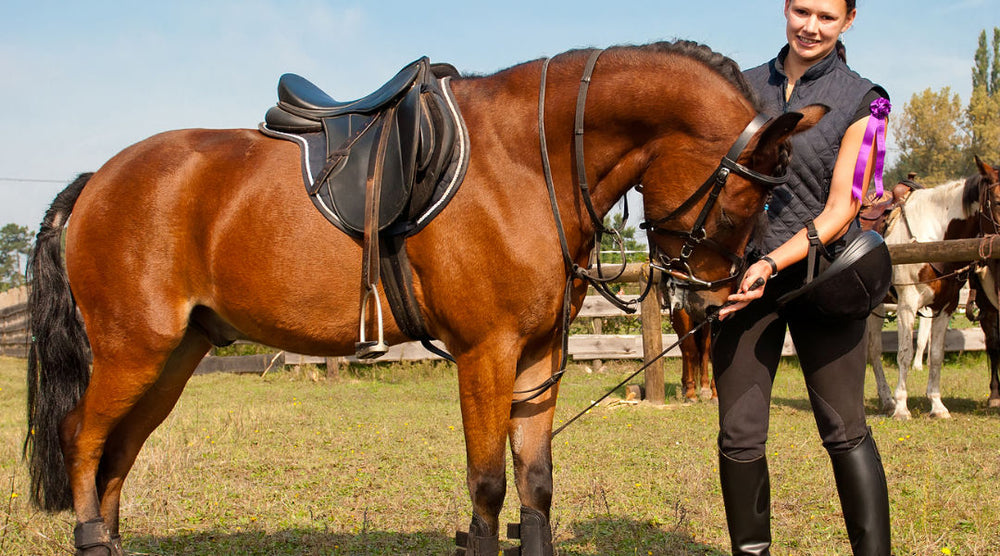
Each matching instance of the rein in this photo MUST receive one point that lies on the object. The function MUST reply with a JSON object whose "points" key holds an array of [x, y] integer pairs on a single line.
{"points": [[676, 267]]}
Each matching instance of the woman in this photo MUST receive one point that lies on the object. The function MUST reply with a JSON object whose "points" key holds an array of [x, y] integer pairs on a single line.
{"points": [[822, 188]]}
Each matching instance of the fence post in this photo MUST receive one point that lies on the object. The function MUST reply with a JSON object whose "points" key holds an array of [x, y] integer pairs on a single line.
{"points": [[652, 342]]}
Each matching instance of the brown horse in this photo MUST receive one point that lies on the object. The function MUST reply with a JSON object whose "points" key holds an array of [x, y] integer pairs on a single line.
{"points": [[186, 238], [696, 377]]}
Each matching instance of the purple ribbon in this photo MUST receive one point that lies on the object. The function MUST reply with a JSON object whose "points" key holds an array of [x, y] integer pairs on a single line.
{"points": [[874, 133]]}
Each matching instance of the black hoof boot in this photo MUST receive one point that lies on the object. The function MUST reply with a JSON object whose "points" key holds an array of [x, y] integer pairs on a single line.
{"points": [[535, 534], [478, 541], [92, 538]]}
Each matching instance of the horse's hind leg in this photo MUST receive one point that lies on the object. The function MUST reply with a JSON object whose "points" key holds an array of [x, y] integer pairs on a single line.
{"points": [[99, 440], [705, 349], [127, 438], [531, 447], [939, 327], [988, 321], [888, 404]]}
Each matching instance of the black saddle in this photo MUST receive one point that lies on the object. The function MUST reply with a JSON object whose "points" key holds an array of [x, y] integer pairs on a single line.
{"points": [[403, 135]]}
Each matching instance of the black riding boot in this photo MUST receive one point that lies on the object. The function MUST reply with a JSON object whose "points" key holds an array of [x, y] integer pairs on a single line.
{"points": [[746, 493], [864, 498]]}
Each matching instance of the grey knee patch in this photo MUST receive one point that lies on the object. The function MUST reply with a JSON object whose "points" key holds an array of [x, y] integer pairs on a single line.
{"points": [[743, 430]]}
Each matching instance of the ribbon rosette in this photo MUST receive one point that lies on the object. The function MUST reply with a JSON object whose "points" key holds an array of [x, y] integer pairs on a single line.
{"points": [[874, 134]]}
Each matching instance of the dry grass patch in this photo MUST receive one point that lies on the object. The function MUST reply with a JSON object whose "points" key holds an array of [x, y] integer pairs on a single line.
{"points": [[374, 463]]}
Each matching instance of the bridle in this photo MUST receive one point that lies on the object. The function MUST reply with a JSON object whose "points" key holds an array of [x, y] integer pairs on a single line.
{"points": [[678, 268]]}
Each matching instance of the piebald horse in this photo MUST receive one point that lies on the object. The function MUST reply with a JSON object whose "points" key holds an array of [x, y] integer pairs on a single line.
{"points": [[157, 256], [948, 211]]}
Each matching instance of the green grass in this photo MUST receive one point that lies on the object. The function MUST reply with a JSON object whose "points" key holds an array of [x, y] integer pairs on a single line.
{"points": [[374, 463]]}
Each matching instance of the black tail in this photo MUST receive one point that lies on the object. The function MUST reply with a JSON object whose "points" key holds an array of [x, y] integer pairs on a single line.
{"points": [[59, 359]]}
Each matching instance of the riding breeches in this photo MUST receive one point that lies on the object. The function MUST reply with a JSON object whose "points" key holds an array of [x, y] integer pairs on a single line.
{"points": [[746, 349]]}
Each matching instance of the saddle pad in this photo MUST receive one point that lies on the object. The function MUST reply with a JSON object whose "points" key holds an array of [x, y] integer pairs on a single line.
{"points": [[313, 150]]}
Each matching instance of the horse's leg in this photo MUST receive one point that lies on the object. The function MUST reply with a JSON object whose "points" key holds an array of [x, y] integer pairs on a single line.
{"points": [[530, 432], [923, 336], [905, 316], [681, 323], [939, 327], [485, 382], [888, 404], [705, 349], [988, 321], [119, 379], [127, 438]]}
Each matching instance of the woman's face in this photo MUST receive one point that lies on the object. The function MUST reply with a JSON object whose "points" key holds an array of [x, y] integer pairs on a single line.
{"points": [[813, 26]]}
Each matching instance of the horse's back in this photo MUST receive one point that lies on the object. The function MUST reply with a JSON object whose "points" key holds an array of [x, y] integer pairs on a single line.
{"points": [[211, 218]]}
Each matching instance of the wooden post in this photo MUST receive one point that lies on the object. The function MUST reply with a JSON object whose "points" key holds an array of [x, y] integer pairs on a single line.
{"points": [[652, 344]]}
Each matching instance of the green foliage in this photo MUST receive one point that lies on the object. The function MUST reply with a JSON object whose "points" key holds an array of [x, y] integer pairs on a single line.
{"points": [[15, 244], [983, 121], [635, 251], [937, 138], [930, 137]]}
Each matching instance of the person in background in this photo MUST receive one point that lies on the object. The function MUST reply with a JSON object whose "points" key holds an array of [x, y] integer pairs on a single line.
{"points": [[828, 174]]}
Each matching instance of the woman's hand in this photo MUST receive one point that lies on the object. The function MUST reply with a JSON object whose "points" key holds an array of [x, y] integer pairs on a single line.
{"points": [[751, 287]]}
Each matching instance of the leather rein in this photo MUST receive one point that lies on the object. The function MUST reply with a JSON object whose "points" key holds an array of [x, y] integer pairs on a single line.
{"points": [[676, 267]]}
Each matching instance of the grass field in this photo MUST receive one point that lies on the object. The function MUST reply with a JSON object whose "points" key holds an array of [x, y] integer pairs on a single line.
{"points": [[373, 463]]}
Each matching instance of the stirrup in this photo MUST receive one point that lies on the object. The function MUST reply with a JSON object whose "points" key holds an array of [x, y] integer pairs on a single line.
{"points": [[367, 349]]}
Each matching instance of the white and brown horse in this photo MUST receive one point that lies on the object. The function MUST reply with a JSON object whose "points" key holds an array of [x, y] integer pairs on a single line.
{"points": [[949, 211]]}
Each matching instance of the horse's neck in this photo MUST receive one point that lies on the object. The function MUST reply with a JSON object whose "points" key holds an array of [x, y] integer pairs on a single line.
{"points": [[929, 213]]}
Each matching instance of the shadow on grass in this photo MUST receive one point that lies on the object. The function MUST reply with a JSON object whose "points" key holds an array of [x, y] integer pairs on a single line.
{"points": [[606, 536], [290, 542], [920, 407], [617, 536]]}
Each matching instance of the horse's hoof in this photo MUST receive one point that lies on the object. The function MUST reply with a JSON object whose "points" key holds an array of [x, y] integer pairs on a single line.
{"points": [[901, 415], [994, 402], [940, 414], [705, 394]]}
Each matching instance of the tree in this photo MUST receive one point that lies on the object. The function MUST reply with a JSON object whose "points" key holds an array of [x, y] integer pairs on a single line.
{"points": [[983, 113], [983, 121], [635, 251], [15, 242], [981, 69], [931, 139]]}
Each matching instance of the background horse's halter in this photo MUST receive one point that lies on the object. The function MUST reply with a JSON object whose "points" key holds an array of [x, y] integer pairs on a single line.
{"points": [[677, 267]]}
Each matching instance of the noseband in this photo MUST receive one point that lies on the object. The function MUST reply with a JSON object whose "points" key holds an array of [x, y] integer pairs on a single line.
{"points": [[678, 268]]}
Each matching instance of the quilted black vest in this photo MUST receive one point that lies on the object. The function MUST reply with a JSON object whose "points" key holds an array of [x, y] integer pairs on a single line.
{"points": [[814, 152]]}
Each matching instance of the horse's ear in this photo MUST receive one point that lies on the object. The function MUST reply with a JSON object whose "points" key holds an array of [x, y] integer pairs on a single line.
{"points": [[778, 130], [985, 169], [784, 126]]}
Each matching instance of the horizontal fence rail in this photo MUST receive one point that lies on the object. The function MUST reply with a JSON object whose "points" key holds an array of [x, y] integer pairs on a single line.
{"points": [[15, 339]]}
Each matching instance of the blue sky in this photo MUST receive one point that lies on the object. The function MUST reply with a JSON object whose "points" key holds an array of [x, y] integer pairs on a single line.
{"points": [[83, 80]]}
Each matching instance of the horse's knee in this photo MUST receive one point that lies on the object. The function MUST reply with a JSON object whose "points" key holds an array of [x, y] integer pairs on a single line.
{"points": [[488, 491], [537, 485]]}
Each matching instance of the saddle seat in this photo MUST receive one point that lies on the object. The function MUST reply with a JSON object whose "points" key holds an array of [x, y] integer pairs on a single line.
{"points": [[877, 211], [302, 106]]}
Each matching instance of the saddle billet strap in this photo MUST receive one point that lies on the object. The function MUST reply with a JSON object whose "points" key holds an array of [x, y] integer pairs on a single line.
{"points": [[373, 194]]}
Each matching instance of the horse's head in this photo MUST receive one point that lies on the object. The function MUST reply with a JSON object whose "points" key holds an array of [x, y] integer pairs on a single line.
{"points": [[989, 197], [699, 242]]}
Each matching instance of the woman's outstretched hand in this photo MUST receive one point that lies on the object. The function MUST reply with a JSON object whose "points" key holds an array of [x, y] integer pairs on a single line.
{"points": [[751, 287]]}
